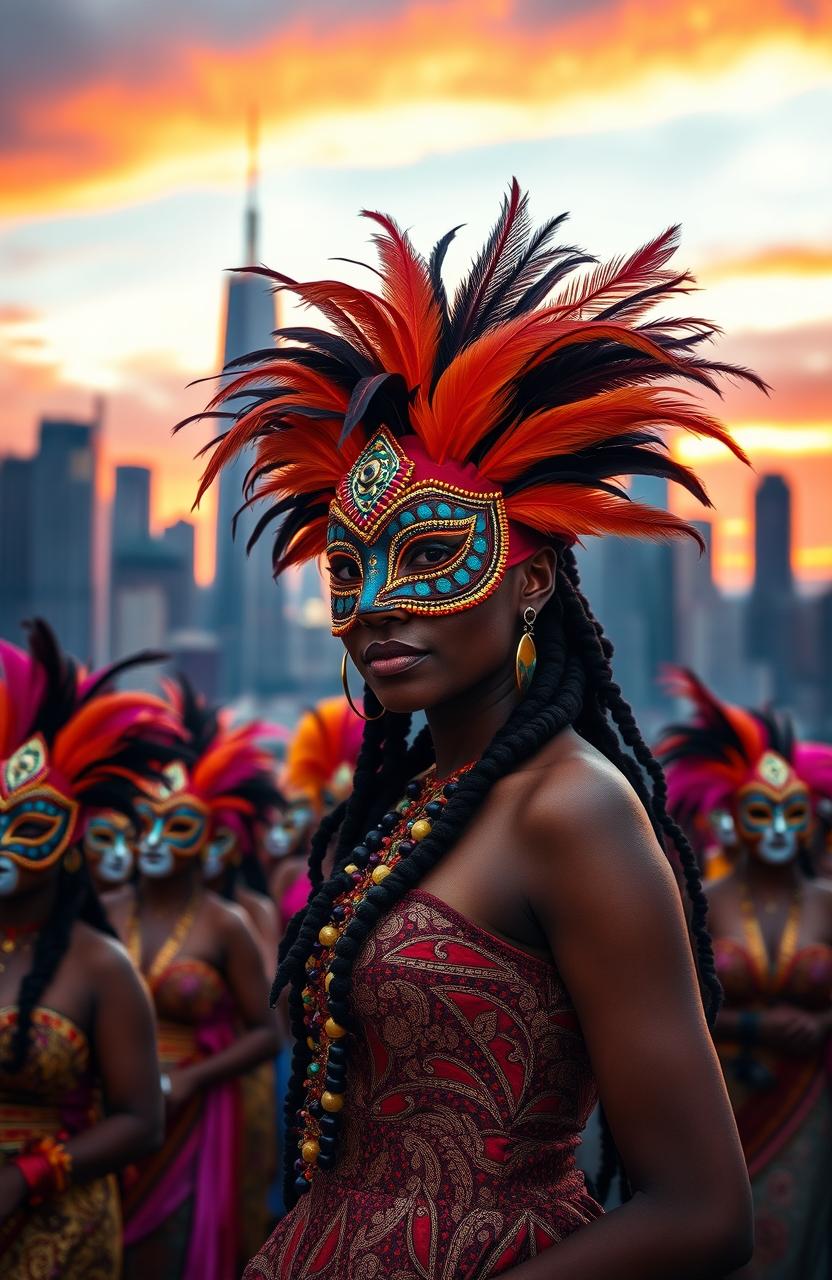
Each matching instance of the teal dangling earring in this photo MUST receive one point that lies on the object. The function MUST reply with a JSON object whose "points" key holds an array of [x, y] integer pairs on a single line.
{"points": [[525, 659]]}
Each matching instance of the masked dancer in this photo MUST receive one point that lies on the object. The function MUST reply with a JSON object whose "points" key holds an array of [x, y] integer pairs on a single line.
{"points": [[79, 1082], [243, 794], [317, 776], [495, 926], [109, 845], [772, 927], [201, 962]]}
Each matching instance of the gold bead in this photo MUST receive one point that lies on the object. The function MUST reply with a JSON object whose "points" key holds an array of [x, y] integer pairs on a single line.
{"points": [[334, 1029], [420, 829], [381, 872], [328, 936], [311, 1043], [350, 868], [332, 1102], [328, 980], [310, 1151]]}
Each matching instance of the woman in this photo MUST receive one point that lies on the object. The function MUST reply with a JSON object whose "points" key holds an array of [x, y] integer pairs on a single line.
{"points": [[495, 926], [318, 775], [109, 844], [201, 962], [79, 1084], [241, 793], [772, 925]]}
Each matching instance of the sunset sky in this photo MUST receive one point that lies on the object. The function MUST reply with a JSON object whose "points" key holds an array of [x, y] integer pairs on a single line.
{"points": [[122, 173]]}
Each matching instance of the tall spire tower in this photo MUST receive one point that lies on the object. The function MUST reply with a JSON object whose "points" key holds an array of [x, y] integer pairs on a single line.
{"points": [[247, 601]]}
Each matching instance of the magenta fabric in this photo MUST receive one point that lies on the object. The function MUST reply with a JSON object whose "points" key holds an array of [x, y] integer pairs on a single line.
{"points": [[205, 1168], [296, 896]]}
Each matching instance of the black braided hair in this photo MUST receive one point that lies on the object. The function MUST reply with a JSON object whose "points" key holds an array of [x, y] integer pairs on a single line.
{"points": [[573, 685], [75, 899]]}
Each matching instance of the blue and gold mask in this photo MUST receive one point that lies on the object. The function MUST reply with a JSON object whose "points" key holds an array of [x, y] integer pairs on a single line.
{"points": [[397, 541], [37, 821]]}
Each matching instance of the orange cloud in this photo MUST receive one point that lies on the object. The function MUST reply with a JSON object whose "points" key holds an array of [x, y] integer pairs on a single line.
{"points": [[773, 260], [421, 77]]}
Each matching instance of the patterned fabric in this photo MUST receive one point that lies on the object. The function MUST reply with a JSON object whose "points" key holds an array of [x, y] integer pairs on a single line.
{"points": [[77, 1235], [469, 1087], [180, 1204], [258, 1157], [784, 1116]]}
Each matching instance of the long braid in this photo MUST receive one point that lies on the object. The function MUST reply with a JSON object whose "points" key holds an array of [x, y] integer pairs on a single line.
{"points": [[573, 685], [75, 899]]}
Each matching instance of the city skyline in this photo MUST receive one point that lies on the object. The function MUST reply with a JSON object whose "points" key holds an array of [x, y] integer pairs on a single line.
{"points": [[120, 197]]}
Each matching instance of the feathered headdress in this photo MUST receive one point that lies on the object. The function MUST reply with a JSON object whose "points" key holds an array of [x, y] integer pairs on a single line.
{"points": [[68, 732], [723, 747], [534, 385], [322, 755], [230, 773]]}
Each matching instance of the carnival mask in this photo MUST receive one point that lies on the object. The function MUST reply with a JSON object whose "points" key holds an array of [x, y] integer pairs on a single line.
{"points": [[108, 845], [395, 541], [173, 825], [774, 811], [37, 822], [284, 836], [222, 850]]}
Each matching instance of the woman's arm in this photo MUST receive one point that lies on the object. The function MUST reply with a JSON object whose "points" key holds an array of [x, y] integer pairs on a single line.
{"points": [[606, 897], [249, 988]]}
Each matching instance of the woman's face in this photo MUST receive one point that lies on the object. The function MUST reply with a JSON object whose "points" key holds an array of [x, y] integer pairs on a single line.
{"points": [[109, 843], [417, 661]]}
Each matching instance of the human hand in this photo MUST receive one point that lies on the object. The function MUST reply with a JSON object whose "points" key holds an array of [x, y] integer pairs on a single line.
{"points": [[178, 1087], [13, 1190], [791, 1030]]}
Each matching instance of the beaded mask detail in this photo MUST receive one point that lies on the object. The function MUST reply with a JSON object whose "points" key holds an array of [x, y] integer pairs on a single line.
{"points": [[379, 521], [395, 837]]}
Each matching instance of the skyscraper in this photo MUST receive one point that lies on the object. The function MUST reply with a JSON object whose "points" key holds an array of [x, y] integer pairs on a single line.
{"points": [[248, 605], [65, 586], [131, 507], [15, 545], [770, 615]]}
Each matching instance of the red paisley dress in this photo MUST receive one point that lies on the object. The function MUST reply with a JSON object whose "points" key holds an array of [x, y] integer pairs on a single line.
{"points": [[468, 1088]]}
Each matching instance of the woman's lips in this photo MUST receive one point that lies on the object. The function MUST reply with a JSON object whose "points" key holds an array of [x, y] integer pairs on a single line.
{"points": [[391, 657], [395, 665]]}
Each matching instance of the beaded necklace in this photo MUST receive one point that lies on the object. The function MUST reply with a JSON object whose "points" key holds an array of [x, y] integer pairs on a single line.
{"points": [[169, 949], [395, 837]]}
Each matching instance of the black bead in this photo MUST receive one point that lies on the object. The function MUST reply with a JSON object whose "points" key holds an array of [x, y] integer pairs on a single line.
{"points": [[338, 913], [413, 790], [373, 840], [301, 1186], [337, 1053], [389, 821], [329, 1123], [300, 1165], [449, 789], [335, 1082], [325, 1161], [327, 1143], [406, 847], [360, 854], [315, 1109], [434, 809]]}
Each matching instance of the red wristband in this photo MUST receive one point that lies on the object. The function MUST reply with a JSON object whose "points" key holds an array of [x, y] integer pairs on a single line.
{"points": [[45, 1167]]}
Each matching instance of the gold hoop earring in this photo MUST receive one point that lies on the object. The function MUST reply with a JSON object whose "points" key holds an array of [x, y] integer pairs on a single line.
{"points": [[348, 695], [73, 860], [525, 659]]}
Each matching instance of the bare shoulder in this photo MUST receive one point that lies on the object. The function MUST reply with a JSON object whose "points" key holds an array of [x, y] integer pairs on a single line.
{"points": [[228, 918], [575, 801], [104, 958]]}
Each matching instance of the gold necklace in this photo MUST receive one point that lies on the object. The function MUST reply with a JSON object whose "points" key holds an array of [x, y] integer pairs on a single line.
{"points": [[169, 949], [17, 937], [772, 969]]}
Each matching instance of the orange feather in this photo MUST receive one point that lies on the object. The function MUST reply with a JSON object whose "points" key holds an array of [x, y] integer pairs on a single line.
{"points": [[574, 511], [570, 427], [408, 288]]}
